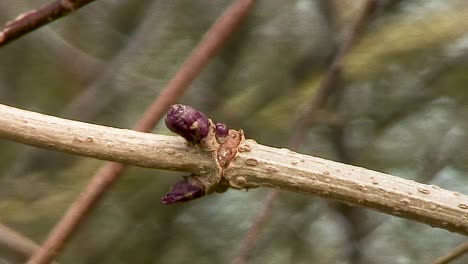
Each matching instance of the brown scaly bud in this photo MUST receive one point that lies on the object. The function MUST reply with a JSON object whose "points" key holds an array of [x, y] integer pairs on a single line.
{"points": [[185, 190], [187, 122]]}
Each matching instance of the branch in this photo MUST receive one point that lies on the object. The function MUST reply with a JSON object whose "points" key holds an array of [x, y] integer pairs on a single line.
{"points": [[255, 166], [104, 143], [17, 242], [108, 174], [453, 254], [327, 87], [34, 19]]}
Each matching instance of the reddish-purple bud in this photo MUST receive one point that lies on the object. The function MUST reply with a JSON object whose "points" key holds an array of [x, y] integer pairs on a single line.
{"points": [[183, 191], [187, 122], [221, 130]]}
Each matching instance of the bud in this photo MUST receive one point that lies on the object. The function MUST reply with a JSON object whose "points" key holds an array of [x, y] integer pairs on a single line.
{"points": [[187, 122], [221, 130], [182, 191]]}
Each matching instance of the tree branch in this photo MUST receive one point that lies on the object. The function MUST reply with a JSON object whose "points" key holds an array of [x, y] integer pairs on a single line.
{"points": [[108, 174], [453, 254], [17, 242], [256, 166], [34, 19]]}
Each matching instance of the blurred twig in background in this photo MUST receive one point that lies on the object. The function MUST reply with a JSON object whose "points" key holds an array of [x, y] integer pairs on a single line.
{"points": [[34, 19], [328, 85], [17, 242], [101, 92], [452, 255], [108, 174]]}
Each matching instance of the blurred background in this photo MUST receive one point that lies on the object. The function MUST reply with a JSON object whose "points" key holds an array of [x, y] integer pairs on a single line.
{"points": [[401, 109]]}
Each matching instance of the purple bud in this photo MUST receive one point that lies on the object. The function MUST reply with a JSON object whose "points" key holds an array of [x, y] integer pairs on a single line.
{"points": [[187, 122], [221, 130], [182, 191]]}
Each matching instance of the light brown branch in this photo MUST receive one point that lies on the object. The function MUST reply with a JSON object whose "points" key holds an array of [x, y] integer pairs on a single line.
{"points": [[453, 254], [262, 166], [105, 143], [34, 19], [108, 174]]}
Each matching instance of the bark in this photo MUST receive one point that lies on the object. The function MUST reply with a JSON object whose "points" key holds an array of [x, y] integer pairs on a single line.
{"points": [[255, 166]]}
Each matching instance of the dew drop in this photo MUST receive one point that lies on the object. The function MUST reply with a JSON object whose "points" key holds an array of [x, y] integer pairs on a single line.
{"points": [[294, 162], [375, 182], [463, 206], [251, 162], [424, 191], [433, 207], [444, 223], [327, 180], [302, 160]]}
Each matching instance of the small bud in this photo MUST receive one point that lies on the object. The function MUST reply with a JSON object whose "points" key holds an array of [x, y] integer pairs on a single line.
{"points": [[221, 130], [187, 122], [182, 191]]}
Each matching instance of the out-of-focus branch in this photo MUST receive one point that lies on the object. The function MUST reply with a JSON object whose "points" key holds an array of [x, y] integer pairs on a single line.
{"points": [[261, 166], [308, 117], [453, 254], [329, 81], [17, 242], [34, 19], [213, 40], [257, 226], [101, 92]]}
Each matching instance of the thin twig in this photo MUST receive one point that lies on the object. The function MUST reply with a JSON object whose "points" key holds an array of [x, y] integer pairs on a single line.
{"points": [[108, 174], [257, 227], [101, 92], [328, 84], [453, 254], [34, 19], [305, 120], [17, 242]]}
